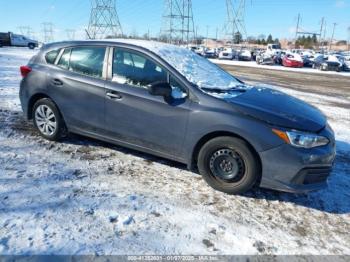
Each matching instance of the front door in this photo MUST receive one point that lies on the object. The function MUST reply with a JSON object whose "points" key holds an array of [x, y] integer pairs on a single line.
{"points": [[138, 118]]}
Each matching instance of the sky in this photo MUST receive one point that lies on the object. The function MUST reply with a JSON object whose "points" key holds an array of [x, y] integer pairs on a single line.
{"points": [[278, 17]]}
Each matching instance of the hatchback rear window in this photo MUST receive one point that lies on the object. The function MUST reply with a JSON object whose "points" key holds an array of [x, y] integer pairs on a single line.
{"points": [[51, 56]]}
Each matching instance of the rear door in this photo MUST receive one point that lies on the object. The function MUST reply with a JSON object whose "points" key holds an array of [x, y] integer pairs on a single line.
{"points": [[77, 86], [133, 115]]}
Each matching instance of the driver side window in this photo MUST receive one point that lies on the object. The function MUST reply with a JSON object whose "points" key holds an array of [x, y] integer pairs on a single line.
{"points": [[132, 68]]}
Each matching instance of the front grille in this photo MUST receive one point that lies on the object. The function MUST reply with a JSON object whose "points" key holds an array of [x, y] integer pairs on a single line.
{"points": [[333, 67], [309, 176]]}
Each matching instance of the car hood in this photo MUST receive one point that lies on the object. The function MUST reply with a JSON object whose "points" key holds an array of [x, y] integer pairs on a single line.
{"points": [[279, 109]]}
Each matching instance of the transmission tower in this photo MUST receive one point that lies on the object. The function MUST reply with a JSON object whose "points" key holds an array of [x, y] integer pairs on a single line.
{"points": [[178, 23], [27, 31], [48, 32], [104, 20], [70, 34], [301, 31], [235, 20]]}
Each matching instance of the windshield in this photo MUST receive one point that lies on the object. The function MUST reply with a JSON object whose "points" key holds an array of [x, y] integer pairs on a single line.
{"points": [[198, 70]]}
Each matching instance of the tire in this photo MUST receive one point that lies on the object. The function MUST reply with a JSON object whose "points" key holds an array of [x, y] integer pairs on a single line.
{"points": [[244, 163], [45, 113], [31, 46]]}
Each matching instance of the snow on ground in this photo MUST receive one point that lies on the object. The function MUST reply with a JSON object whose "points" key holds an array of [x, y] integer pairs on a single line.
{"points": [[82, 196], [277, 67]]}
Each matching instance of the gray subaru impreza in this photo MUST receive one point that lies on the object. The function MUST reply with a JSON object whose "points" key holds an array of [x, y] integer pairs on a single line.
{"points": [[170, 102]]}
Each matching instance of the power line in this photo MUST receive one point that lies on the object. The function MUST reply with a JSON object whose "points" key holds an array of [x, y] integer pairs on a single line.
{"points": [[178, 22], [104, 20]]}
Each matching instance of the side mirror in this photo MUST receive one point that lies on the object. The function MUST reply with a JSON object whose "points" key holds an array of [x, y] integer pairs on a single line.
{"points": [[160, 89]]}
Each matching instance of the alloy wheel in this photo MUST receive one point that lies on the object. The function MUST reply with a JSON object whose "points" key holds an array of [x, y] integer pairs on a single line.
{"points": [[45, 120]]}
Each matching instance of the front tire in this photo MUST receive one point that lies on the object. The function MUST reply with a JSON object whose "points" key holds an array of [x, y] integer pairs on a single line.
{"points": [[228, 165], [31, 46], [48, 120]]}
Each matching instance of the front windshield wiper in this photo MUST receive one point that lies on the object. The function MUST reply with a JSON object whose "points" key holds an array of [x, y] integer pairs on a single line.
{"points": [[220, 90]]}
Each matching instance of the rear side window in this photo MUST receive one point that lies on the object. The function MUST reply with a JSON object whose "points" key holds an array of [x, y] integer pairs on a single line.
{"points": [[51, 56], [87, 60]]}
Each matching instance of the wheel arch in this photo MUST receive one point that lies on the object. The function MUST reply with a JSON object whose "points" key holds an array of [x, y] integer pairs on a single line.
{"points": [[216, 134], [33, 99]]}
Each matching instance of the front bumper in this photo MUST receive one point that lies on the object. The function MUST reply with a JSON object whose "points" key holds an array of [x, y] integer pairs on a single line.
{"points": [[297, 170]]}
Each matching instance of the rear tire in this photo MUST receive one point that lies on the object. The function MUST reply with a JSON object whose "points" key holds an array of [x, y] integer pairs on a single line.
{"points": [[229, 165], [48, 120]]}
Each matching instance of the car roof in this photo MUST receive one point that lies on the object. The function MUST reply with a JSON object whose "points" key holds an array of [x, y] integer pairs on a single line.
{"points": [[145, 44]]}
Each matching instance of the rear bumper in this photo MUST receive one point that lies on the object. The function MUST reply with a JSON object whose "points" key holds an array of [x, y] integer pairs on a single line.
{"points": [[296, 170]]}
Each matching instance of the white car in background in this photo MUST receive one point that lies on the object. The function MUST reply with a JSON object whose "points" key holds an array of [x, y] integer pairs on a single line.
{"points": [[227, 53], [245, 55]]}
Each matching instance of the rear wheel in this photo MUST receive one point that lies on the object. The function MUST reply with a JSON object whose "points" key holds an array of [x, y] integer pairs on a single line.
{"points": [[228, 164], [48, 120]]}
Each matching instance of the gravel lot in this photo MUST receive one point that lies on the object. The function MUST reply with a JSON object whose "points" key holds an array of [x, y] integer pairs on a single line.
{"points": [[82, 196]]}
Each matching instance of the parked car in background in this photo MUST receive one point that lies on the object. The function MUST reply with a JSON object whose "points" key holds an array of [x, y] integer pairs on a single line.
{"points": [[292, 60], [209, 53], [345, 61], [327, 63], [227, 53], [244, 55], [264, 59], [308, 58], [160, 99], [278, 57], [11, 39]]}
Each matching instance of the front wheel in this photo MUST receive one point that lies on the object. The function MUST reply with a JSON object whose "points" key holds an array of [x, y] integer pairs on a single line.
{"points": [[228, 165], [31, 46], [48, 120]]}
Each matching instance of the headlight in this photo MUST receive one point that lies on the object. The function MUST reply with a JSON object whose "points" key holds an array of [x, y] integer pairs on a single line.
{"points": [[301, 139]]}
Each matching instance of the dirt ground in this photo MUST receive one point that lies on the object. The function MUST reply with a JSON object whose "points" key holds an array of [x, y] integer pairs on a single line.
{"points": [[331, 85]]}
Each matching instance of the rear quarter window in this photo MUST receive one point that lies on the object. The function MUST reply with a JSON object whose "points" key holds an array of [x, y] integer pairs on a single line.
{"points": [[51, 56]]}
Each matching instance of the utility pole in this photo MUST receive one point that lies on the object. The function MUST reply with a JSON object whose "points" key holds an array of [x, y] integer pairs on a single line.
{"points": [[321, 30], [235, 19], [349, 38], [330, 44], [104, 21], [297, 28], [48, 32], [207, 36], [178, 23]]}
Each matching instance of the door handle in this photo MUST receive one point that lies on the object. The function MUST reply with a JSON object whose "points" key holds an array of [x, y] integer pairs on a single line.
{"points": [[113, 95], [57, 82]]}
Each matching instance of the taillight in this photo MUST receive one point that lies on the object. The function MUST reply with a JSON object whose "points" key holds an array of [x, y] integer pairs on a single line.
{"points": [[25, 70]]}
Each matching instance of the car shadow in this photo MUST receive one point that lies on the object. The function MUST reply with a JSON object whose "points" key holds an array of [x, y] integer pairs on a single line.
{"points": [[75, 139], [334, 199]]}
